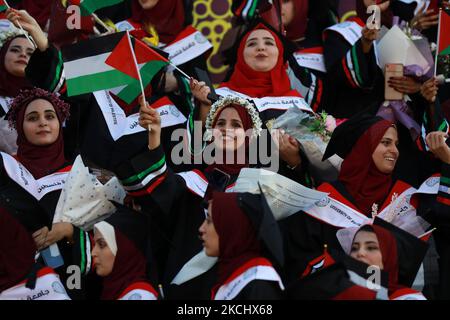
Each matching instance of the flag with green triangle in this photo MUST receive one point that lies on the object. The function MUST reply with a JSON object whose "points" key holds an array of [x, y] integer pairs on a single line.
{"points": [[3, 5], [444, 33], [149, 62]]}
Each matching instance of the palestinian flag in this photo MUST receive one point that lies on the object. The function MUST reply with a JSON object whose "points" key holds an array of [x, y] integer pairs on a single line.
{"points": [[87, 65], [88, 7], [444, 35], [108, 62], [149, 61], [3, 6]]}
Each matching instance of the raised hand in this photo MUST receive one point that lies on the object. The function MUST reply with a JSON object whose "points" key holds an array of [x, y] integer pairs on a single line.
{"points": [[437, 145], [429, 89], [29, 24], [150, 119]]}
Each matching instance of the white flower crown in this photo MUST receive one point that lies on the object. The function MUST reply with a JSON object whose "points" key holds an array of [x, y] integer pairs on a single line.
{"points": [[225, 101], [9, 34]]}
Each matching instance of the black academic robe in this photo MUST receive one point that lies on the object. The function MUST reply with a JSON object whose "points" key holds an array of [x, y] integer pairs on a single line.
{"points": [[22, 203], [305, 234]]}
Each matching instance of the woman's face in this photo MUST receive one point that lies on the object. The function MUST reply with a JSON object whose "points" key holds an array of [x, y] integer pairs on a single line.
{"points": [[366, 248], [209, 235], [17, 56], [229, 133], [287, 12], [386, 154], [102, 255], [148, 4], [261, 51], [41, 125]]}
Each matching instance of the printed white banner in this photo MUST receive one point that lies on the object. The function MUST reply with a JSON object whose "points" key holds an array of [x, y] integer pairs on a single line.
{"points": [[189, 47], [266, 103], [37, 188], [313, 61], [350, 30]]}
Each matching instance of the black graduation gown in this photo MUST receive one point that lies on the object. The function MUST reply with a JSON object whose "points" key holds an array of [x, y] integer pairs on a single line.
{"points": [[86, 131], [260, 290], [21, 202], [351, 89]]}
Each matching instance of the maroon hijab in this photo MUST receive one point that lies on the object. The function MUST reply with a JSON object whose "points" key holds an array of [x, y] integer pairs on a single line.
{"points": [[297, 28], [39, 160], [167, 16], [233, 168], [359, 174], [129, 267], [388, 248], [238, 240], [10, 85], [17, 250]]}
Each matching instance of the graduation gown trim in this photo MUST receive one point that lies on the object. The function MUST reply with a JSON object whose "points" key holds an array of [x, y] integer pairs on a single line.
{"points": [[255, 269], [349, 30], [48, 287], [269, 103], [139, 291], [189, 44], [119, 124], [311, 58], [4, 104], [338, 211], [407, 294], [37, 188]]}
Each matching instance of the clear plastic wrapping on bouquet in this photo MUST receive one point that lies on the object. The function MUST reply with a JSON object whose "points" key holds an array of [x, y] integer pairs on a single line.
{"points": [[297, 124]]}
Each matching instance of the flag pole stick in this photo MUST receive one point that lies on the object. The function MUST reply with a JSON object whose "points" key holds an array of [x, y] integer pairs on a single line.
{"points": [[21, 28], [100, 22], [426, 233], [138, 72], [181, 71], [437, 48]]}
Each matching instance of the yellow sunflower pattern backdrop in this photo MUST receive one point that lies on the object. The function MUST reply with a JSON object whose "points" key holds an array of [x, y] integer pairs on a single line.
{"points": [[212, 18]]}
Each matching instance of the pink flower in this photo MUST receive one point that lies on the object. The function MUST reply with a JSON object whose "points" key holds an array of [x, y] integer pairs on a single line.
{"points": [[330, 123]]}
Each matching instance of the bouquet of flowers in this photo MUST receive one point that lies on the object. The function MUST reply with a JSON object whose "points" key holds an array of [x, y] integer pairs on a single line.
{"points": [[313, 131]]}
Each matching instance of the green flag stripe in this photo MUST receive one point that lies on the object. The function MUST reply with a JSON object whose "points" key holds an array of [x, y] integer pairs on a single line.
{"points": [[144, 173], [445, 51], [148, 71], [97, 81], [90, 6]]}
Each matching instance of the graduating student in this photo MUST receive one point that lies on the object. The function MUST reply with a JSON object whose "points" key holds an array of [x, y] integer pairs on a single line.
{"points": [[377, 246], [21, 277], [231, 232], [175, 200], [394, 254], [31, 182], [15, 53], [122, 255], [260, 74], [365, 187]]}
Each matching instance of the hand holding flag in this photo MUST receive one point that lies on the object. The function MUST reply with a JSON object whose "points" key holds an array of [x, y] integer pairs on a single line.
{"points": [[149, 116], [4, 7], [443, 44]]}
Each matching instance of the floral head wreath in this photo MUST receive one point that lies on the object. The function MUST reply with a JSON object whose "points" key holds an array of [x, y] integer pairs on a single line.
{"points": [[9, 34], [226, 101], [26, 96]]}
